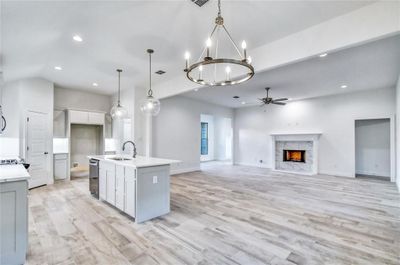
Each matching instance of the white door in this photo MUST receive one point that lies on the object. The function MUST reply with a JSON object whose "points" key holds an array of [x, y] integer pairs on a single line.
{"points": [[36, 148]]}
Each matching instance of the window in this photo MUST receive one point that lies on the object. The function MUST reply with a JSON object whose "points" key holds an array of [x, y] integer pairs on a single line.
{"points": [[204, 138]]}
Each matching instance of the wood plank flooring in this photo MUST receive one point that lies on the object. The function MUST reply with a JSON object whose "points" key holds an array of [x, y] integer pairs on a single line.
{"points": [[224, 215]]}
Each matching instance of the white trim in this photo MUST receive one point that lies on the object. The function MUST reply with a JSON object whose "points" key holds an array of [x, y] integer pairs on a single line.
{"points": [[253, 165]]}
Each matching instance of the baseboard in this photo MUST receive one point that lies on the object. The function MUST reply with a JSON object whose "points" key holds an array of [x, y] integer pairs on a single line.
{"points": [[252, 165], [337, 174], [184, 170], [371, 173]]}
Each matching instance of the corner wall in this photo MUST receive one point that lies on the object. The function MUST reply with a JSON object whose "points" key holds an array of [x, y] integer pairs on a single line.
{"points": [[176, 130], [333, 116]]}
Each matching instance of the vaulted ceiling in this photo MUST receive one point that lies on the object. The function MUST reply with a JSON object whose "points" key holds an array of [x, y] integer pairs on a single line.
{"points": [[372, 65], [37, 35]]}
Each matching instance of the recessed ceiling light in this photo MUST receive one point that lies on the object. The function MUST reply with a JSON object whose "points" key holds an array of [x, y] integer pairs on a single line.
{"points": [[243, 102], [323, 55], [58, 68], [95, 84], [343, 86], [196, 89], [77, 38]]}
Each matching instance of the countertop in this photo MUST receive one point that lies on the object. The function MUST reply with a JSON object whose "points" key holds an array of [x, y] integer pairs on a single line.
{"points": [[138, 162], [13, 173]]}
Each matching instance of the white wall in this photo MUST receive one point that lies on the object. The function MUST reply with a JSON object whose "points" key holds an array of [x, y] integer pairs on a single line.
{"points": [[398, 134], [333, 116], [373, 147], [19, 97], [81, 100], [223, 138], [176, 130]]}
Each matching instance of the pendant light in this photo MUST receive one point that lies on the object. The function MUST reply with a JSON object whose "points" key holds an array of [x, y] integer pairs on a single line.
{"points": [[118, 112], [150, 105]]}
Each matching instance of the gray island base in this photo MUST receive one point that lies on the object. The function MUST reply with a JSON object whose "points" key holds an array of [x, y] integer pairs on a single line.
{"points": [[139, 187]]}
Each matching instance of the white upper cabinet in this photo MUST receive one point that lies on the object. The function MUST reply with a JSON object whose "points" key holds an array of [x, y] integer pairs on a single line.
{"points": [[85, 117]]}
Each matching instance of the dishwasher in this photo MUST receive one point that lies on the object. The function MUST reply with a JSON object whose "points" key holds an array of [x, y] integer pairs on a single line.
{"points": [[94, 177]]}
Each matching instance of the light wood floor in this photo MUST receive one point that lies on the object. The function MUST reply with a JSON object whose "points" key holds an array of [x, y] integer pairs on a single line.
{"points": [[224, 215]]}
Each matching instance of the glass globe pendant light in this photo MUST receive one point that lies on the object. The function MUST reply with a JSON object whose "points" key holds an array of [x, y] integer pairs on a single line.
{"points": [[150, 105], [117, 111]]}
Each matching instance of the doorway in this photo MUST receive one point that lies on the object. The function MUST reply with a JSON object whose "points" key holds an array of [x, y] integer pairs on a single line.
{"points": [[373, 148], [216, 140], [36, 148], [85, 140]]}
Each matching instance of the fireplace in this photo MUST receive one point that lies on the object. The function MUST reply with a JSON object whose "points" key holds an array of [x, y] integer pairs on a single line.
{"points": [[294, 156]]}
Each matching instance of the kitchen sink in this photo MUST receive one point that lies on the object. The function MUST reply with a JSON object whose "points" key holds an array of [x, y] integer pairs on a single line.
{"points": [[120, 158]]}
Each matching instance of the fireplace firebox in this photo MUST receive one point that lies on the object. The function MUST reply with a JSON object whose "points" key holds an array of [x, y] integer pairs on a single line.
{"points": [[294, 156]]}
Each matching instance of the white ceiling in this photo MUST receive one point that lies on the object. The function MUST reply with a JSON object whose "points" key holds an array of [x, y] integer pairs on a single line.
{"points": [[37, 35], [370, 66]]}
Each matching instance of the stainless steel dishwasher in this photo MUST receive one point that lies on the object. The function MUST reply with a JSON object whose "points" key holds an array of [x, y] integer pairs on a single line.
{"points": [[94, 177]]}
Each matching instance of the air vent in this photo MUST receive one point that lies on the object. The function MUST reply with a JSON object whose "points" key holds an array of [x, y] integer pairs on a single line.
{"points": [[200, 3], [236, 97], [160, 72]]}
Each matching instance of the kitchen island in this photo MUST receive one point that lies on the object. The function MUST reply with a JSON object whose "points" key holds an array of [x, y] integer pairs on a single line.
{"points": [[13, 214], [137, 186]]}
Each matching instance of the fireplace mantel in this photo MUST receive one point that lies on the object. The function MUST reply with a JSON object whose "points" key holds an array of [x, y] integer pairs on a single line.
{"points": [[291, 139]]}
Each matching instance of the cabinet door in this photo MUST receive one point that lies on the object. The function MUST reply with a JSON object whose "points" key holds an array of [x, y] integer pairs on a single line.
{"points": [[103, 184], [60, 168], [96, 118], [13, 222], [111, 186], [76, 116], [130, 191], [119, 187]]}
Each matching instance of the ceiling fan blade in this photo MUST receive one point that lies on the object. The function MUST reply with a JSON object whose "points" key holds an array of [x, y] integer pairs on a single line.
{"points": [[278, 103], [280, 99]]}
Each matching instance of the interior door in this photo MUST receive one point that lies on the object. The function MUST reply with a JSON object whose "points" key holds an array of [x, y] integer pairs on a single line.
{"points": [[36, 148]]}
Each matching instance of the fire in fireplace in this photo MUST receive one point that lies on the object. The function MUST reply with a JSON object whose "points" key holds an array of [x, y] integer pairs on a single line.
{"points": [[294, 156]]}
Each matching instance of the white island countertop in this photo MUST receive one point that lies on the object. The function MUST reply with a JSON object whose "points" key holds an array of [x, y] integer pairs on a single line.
{"points": [[138, 162], [13, 173]]}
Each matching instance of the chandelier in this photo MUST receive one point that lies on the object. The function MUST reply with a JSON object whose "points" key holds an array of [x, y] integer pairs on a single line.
{"points": [[212, 70]]}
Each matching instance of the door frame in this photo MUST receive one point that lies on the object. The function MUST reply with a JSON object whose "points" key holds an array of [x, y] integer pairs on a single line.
{"points": [[392, 151]]}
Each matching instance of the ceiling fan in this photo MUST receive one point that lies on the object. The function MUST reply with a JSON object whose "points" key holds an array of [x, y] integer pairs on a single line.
{"points": [[267, 100]]}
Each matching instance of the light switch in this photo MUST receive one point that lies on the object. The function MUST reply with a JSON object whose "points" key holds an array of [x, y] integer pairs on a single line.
{"points": [[155, 179]]}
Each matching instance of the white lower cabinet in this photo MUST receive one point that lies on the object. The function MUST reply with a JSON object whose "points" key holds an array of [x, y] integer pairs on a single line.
{"points": [[111, 187], [130, 191], [119, 187]]}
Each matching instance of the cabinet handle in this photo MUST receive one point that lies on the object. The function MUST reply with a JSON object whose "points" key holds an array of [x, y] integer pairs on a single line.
{"points": [[46, 153]]}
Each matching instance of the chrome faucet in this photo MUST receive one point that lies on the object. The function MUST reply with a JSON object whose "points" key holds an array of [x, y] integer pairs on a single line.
{"points": [[134, 147]]}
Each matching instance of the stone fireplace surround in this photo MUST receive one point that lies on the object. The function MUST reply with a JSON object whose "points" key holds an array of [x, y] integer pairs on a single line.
{"points": [[295, 141]]}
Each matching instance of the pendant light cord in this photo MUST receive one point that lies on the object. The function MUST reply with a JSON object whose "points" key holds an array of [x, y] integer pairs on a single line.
{"points": [[150, 92], [119, 86], [219, 8]]}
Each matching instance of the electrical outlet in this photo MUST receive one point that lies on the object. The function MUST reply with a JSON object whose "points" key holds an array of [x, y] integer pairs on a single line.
{"points": [[155, 179], [261, 161]]}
